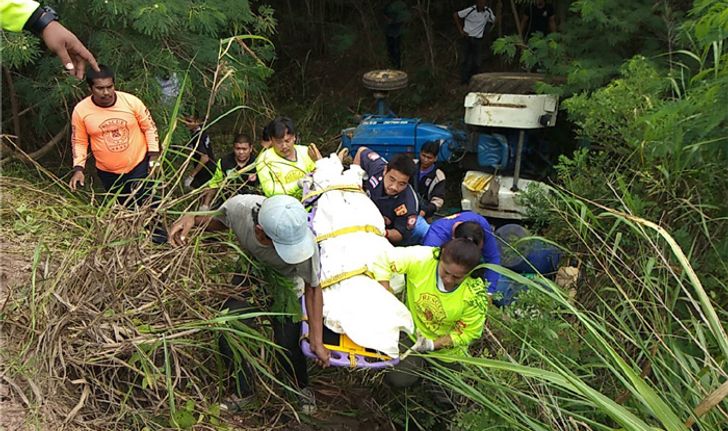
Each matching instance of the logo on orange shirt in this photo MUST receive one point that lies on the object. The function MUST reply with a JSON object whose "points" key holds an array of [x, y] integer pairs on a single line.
{"points": [[116, 134]]}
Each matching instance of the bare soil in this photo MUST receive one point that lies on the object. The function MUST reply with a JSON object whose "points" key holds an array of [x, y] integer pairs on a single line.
{"points": [[15, 265]]}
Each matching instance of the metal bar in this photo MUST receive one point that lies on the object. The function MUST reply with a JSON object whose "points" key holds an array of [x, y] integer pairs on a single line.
{"points": [[381, 103], [503, 105], [517, 170]]}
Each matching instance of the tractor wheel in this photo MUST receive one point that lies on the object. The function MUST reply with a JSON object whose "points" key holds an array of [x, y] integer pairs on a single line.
{"points": [[385, 80], [506, 83]]}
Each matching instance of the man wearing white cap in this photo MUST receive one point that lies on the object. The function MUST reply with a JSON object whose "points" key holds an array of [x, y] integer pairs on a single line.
{"points": [[275, 232]]}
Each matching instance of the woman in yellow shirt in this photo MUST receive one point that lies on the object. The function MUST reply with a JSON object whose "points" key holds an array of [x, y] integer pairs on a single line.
{"points": [[448, 306]]}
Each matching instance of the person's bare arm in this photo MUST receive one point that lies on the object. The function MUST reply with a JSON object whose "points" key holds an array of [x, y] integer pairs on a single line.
{"points": [[357, 156], [394, 236], [458, 23], [314, 307], [180, 230], [70, 51], [385, 284], [206, 198], [201, 164]]}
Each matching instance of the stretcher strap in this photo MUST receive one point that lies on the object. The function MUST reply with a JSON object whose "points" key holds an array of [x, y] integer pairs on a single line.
{"points": [[341, 187], [347, 230], [346, 275]]}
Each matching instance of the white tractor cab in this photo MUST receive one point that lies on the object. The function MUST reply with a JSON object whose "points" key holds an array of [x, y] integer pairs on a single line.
{"points": [[494, 194], [501, 115]]}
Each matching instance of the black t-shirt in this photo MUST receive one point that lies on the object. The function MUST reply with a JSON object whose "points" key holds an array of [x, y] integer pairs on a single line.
{"points": [[200, 143], [399, 211], [538, 18], [229, 166]]}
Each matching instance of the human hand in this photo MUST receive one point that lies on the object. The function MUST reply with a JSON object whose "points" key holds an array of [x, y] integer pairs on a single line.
{"points": [[314, 153], [180, 229], [423, 344], [154, 166], [322, 355], [422, 213], [343, 154], [69, 50], [188, 182], [77, 178], [252, 177]]}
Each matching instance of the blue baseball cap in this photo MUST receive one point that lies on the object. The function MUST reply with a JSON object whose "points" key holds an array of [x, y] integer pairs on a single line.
{"points": [[285, 221]]}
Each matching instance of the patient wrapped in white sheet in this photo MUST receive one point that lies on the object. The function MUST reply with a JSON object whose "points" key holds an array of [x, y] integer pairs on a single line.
{"points": [[357, 306]]}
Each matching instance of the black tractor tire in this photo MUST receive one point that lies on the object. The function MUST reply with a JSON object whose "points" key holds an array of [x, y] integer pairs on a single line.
{"points": [[506, 83], [385, 80]]}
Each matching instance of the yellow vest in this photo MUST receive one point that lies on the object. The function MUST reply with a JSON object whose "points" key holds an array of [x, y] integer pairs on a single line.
{"points": [[279, 176]]}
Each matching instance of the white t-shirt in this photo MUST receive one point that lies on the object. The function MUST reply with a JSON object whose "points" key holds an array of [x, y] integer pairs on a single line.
{"points": [[475, 21]]}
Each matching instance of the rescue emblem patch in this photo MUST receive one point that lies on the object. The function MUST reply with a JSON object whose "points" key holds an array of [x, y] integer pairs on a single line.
{"points": [[411, 222]]}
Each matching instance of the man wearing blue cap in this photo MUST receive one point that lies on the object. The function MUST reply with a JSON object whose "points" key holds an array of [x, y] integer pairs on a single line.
{"points": [[274, 231]]}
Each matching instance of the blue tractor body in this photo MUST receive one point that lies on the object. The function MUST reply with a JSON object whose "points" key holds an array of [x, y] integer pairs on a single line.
{"points": [[390, 135]]}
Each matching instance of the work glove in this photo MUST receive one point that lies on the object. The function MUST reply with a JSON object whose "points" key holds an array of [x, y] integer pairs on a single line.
{"points": [[423, 344], [188, 182]]}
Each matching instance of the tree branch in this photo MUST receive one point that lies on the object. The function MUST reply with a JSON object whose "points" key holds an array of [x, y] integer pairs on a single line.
{"points": [[14, 107], [35, 155], [514, 9]]}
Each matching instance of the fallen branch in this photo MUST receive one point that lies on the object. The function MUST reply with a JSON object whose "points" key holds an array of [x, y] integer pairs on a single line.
{"points": [[81, 402], [37, 154]]}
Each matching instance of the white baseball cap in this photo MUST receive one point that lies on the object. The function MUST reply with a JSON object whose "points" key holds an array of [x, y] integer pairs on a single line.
{"points": [[285, 221]]}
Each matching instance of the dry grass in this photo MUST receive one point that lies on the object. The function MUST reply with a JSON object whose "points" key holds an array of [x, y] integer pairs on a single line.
{"points": [[107, 330]]}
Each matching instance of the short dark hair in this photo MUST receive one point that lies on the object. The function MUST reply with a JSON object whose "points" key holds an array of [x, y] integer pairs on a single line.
{"points": [[104, 72], [192, 114], [431, 147], [462, 252], [242, 138], [255, 213], [470, 230], [265, 136], [404, 164], [280, 126]]}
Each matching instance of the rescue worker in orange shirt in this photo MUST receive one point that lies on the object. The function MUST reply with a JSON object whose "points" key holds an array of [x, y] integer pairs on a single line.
{"points": [[122, 135]]}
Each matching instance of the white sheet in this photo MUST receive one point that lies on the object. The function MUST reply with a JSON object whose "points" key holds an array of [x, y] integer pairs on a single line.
{"points": [[358, 306]]}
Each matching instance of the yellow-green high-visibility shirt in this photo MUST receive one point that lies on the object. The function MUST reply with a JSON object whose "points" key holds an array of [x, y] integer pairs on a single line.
{"points": [[459, 314], [15, 13], [279, 176]]}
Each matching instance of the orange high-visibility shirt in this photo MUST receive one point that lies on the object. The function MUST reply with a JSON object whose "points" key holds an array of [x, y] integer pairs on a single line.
{"points": [[120, 135]]}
